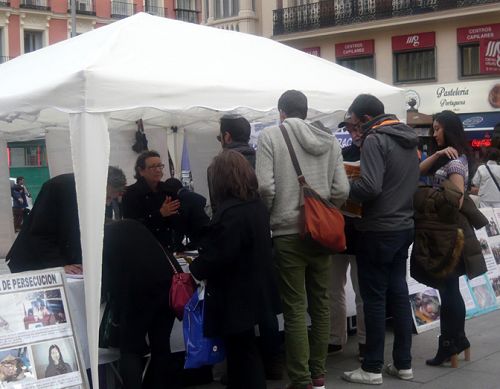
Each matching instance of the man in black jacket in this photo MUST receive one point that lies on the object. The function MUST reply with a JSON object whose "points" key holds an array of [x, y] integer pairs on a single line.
{"points": [[235, 134], [50, 237]]}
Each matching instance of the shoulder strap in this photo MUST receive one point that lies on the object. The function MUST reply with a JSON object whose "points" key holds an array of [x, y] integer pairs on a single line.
{"points": [[293, 156], [170, 260], [492, 176]]}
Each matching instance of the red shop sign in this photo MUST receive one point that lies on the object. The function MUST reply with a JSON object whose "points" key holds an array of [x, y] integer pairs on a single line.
{"points": [[313, 51], [489, 56], [354, 49], [423, 40], [476, 33]]}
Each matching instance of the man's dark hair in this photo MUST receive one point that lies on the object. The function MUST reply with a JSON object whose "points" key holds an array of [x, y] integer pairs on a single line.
{"points": [[294, 104], [172, 186], [366, 104], [116, 178], [237, 126], [492, 154], [18, 179], [140, 163]]}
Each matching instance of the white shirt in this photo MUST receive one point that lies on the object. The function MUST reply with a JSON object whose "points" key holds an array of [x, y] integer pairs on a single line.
{"points": [[489, 195]]}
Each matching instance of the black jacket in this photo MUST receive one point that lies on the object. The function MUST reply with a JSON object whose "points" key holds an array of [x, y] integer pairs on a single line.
{"points": [[50, 237], [244, 149], [142, 204], [236, 260]]}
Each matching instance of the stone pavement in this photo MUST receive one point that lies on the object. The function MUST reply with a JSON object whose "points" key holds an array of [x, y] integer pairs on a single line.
{"points": [[482, 372]]}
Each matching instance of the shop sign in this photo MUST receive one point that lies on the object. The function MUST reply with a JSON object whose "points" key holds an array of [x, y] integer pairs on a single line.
{"points": [[489, 56], [477, 33], [316, 51], [423, 40], [354, 49]]}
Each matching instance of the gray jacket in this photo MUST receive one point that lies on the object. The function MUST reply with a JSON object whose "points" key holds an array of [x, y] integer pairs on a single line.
{"points": [[389, 176]]}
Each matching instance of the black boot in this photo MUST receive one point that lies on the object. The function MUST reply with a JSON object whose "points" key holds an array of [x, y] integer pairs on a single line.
{"points": [[463, 344], [447, 351]]}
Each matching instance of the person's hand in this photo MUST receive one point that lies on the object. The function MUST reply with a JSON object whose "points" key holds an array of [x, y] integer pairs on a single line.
{"points": [[170, 207], [449, 152], [73, 269]]}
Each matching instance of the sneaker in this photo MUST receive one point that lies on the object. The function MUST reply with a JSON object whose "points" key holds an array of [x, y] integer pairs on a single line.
{"points": [[335, 348], [362, 350], [319, 382], [403, 374], [363, 377]]}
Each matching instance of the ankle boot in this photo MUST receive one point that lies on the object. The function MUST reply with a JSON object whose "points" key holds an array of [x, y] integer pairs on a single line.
{"points": [[463, 344], [447, 351]]}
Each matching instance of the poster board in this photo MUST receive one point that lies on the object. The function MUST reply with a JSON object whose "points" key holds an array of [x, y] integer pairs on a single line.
{"points": [[38, 348]]}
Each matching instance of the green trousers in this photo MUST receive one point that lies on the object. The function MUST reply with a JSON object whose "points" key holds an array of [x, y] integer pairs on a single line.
{"points": [[304, 271]]}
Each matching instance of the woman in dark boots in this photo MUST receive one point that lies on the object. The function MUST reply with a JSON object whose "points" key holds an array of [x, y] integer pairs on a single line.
{"points": [[445, 245]]}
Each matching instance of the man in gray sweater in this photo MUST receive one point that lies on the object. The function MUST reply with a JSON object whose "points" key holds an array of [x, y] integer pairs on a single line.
{"points": [[389, 178], [304, 266]]}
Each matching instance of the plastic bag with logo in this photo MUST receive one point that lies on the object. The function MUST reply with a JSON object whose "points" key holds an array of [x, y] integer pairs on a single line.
{"points": [[200, 350]]}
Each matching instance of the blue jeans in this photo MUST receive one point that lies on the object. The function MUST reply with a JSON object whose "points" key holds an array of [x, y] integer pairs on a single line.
{"points": [[381, 260]]}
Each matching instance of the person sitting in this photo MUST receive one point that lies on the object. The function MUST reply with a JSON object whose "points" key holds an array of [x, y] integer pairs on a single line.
{"points": [[236, 260], [50, 237], [147, 201]]}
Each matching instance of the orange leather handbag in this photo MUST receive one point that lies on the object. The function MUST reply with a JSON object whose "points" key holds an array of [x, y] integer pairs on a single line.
{"points": [[322, 220]]}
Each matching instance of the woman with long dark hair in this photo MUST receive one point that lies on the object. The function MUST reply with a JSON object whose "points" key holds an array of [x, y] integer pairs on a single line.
{"points": [[236, 260], [56, 366], [450, 162]]}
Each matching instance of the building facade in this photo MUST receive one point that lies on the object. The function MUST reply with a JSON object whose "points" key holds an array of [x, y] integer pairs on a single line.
{"points": [[27, 25]]}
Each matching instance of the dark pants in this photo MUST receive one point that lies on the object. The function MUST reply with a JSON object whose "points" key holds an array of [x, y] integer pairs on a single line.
{"points": [[270, 339], [244, 364], [382, 280], [452, 309]]}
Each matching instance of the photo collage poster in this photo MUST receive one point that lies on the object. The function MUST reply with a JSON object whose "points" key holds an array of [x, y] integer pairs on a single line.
{"points": [[37, 342]]}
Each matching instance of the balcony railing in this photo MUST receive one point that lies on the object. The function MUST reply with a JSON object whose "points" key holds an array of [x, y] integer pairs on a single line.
{"points": [[42, 5], [83, 7], [330, 13], [187, 15], [153, 10], [121, 10], [4, 3], [4, 58]]}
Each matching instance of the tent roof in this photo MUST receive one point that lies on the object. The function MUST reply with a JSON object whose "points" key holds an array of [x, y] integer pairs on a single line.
{"points": [[169, 73]]}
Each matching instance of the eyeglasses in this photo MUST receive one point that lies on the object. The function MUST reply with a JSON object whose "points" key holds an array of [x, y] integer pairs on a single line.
{"points": [[153, 167]]}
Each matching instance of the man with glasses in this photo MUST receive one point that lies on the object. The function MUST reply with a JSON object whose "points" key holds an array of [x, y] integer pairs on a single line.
{"points": [[147, 200]]}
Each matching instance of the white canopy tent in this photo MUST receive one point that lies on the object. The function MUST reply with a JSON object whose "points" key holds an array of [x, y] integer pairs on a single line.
{"points": [[168, 73]]}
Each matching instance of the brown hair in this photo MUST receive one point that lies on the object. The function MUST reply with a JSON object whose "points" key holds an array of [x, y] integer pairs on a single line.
{"points": [[232, 176]]}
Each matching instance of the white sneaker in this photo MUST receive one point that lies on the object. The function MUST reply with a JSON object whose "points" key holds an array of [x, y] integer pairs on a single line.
{"points": [[363, 377], [403, 374]]}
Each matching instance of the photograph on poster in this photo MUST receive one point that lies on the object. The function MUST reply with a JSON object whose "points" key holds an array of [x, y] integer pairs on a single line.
{"points": [[11, 314], [53, 358], [483, 296], [43, 308], [492, 227], [15, 367], [495, 249], [495, 283], [484, 247], [426, 306]]}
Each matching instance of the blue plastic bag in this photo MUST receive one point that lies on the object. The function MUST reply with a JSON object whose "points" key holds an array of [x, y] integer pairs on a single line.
{"points": [[200, 351]]}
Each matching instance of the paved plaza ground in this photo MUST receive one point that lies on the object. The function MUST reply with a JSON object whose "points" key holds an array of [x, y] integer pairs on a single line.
{"points": [[482, 372]]}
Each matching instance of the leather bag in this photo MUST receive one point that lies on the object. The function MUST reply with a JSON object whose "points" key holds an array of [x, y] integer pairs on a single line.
{"points": [[322, 220]]}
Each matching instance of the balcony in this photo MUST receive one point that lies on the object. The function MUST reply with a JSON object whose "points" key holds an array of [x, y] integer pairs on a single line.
{"points": [[121, 10], [331, 13], [41, 5], [4, 3], [187, 15], [83, 7], [157, 11]]}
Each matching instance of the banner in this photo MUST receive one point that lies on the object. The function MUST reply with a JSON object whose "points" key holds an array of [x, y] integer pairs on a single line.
{"points": [[37, 342], [489, 56], [355, 49]]}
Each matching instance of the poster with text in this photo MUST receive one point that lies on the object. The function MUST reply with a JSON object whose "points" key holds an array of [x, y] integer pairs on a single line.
{"points": [[37, 344]]}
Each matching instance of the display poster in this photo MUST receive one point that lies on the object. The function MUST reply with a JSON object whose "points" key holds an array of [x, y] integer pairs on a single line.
{"points": [[37, 341]]}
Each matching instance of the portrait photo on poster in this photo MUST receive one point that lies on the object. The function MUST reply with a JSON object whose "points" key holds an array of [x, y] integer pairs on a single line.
{"points": [[54, 358], [15, 368]]}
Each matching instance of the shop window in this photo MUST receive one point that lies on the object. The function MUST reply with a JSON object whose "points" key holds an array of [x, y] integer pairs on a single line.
{"points": [[415, 66], [363, 65], [33, 40], [469, 60]]}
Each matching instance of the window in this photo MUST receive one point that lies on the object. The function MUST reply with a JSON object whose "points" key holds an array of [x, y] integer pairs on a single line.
{"points": [[32, 155], [361, 65], [226, 8], [33, 40], [415, 66], [469, 60], [186, 4]]}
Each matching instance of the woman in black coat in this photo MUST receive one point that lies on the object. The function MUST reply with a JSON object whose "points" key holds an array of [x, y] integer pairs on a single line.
{"points": [[137, 277], [236, 260]]}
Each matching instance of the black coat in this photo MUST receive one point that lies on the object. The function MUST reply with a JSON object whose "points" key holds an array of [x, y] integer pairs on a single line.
{"points": [[236, 260], [142, 204], [50, 236], [191, 219]]}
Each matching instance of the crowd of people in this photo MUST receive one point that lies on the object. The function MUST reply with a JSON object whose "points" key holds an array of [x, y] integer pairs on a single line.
{"points": [[255, 259]]}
